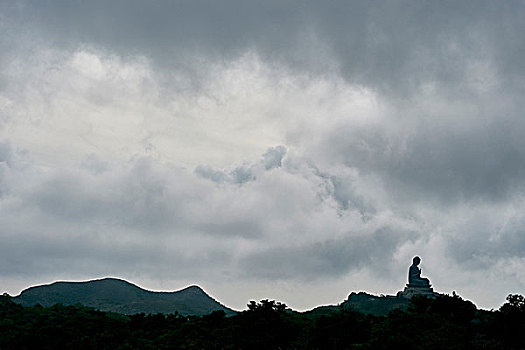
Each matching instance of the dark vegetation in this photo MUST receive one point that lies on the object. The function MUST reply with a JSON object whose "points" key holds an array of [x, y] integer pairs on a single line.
{"points": [[447, 322]]}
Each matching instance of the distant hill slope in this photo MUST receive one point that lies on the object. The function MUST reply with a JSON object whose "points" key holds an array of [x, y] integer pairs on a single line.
{"points": [[364, 303], [115, 295], [374, 305]]}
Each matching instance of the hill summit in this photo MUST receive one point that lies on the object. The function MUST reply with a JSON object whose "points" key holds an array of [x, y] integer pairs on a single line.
{"points": [[116, 295]]}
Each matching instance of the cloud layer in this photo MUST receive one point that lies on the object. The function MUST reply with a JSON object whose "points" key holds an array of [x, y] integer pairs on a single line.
{"points": [[290, 151]]}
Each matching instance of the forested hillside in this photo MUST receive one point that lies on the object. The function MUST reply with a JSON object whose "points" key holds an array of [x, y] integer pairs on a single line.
{"points": [[447, 322]]}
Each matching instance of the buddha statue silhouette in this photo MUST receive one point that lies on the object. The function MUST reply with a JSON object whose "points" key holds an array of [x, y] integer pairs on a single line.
{"points": [[414, 275]]}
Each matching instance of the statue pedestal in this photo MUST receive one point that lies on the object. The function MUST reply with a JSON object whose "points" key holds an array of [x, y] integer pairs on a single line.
{"points": [[411, 290]]}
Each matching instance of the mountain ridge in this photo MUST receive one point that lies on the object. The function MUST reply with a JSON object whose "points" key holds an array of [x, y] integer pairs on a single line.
{"points": [[120, 296]]}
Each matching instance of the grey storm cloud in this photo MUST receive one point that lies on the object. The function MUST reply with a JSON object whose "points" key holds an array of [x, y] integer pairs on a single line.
{"points": [[330, 258], [87, 214], [238, 175], [468, 161], [243, 142], [394, 46], [5, 153], [272, 158]]}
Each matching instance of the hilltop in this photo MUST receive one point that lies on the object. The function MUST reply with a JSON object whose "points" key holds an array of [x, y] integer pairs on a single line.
{"points": [[364, 303], [119, 296]]}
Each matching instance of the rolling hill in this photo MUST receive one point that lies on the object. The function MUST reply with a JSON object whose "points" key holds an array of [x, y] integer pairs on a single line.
{"points": [[115, 295], [364, 303]]}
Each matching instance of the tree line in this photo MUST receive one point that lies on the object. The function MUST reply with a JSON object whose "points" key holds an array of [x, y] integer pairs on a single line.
{"points": [[446, 322]]}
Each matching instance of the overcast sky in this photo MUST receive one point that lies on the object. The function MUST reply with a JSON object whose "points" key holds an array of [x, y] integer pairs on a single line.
{"points": [[289, 150]]}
